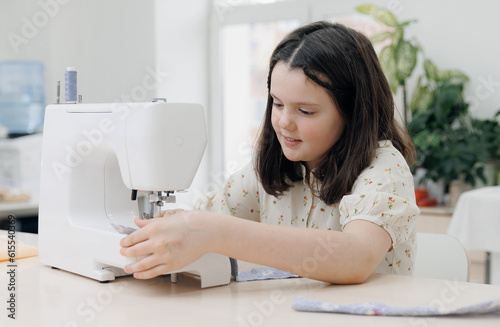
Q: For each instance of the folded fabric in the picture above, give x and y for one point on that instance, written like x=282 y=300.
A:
x=379 y=309
x=22 y=250
x=262 y=274
x=123 y=229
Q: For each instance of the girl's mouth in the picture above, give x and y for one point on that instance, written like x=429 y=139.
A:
x=291 y=141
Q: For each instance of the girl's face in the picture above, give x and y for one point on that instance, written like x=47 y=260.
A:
x=304 y=116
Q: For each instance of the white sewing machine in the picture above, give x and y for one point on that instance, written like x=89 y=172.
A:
x=93 y=158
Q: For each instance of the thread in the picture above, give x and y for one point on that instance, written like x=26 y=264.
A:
x=58 y=94
x=70 y=86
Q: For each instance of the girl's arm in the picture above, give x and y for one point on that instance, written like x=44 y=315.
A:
x=331 y=256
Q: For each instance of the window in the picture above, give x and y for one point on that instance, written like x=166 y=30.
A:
x=246 y=52
x=243 y=35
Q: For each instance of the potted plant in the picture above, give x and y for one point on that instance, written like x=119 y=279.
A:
x=441 y=128
x=451 y=145
x=399 y=58
x=488 y=131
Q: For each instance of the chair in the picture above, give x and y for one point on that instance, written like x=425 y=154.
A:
x=441 y=256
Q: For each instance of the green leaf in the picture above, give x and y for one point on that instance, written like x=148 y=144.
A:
x=431 y=71
x=408 y=22
x=397 y=35
x=422 y=97
x=497 y=114
x=425 y=100
x=417 y=94
x=381 y=37
x=388 y=63
x=406 y=59
x=446 y=75
x=448 y=103
x=382 y=15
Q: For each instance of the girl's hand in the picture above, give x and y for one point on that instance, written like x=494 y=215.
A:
x=168 y=243
x=167 y=212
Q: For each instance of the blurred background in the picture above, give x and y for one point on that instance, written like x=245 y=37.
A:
x=210 y=52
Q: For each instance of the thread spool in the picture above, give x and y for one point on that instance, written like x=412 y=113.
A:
x=70 y=86
x=58 y=92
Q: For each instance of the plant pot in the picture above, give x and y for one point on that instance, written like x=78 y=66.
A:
x=455 y=189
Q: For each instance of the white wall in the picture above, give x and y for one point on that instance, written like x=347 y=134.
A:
x=182 y=53
x=111 y=43
x=462 y=35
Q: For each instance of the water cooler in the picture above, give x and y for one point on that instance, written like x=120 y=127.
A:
x=22 y=96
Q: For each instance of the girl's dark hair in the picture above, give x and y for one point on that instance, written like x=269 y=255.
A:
x=342 y=61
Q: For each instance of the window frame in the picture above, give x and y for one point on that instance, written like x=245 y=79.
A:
x=220 y=17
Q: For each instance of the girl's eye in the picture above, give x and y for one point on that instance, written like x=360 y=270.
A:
x=305 y=112
x=277 y=105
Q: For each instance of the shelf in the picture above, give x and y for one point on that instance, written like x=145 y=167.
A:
x=18 y=209
x=437 y=211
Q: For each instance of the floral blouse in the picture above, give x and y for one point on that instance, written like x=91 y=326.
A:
x=383 y=194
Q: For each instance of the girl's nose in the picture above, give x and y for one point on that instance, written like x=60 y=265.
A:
x=286 y=121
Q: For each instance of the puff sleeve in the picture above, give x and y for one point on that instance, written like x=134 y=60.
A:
x=384 y=194
x=238 y=196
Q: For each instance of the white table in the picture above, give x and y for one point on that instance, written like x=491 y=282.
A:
x=476 y=223
x=50 y=297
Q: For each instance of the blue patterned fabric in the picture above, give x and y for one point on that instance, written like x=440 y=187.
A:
x=379 y=309
x=262 y=274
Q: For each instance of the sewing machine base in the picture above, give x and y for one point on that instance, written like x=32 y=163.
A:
x=104 y=265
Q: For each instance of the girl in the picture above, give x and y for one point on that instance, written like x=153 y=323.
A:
x=331 y=160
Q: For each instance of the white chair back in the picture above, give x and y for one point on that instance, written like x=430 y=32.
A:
x=441 y=256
